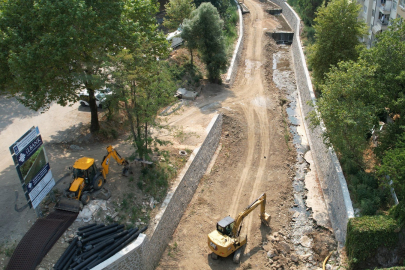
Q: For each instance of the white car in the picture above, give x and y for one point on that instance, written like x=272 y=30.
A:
x=100 y=96
x=175 y=38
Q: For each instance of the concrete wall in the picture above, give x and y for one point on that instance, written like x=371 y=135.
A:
x=146 y=251
x=233 y=67
x=327 y=165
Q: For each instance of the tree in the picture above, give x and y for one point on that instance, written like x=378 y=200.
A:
x=50 y=49
x=307 y=10
x=204 y=31
x=177 y=11
x=141 y=82
x=220 y=5
x=357 y=95
x=337 y=35
x=347 y=109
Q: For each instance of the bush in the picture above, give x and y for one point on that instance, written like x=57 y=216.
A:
x=366 y=192
x=398 y=212
x=366 y=234
x=309 y=33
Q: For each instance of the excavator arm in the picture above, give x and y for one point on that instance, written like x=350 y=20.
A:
x=263 y=216
x=112 y=153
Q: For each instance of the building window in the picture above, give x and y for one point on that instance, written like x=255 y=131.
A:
x=384 y=18
x=365 y=9
x=402 y=3
x=373 y=12
x=394 y=4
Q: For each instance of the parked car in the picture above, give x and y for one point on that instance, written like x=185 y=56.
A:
x=175 y=38
x=100 y=96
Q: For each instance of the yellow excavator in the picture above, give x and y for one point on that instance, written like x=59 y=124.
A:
x=226 y=239
x=88 y=178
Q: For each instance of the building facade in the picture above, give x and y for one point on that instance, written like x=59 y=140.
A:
x=378 y=15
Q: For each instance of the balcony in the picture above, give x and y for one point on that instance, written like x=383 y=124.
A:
x=385 y=7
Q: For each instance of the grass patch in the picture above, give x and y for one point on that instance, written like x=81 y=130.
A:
x=231 y=18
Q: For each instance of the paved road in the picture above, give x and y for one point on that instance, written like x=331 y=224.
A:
x=15 y=120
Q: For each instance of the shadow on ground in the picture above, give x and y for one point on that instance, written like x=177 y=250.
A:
x=10 y=109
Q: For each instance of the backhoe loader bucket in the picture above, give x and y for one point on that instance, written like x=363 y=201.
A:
x=266 y=219
x=70 y=205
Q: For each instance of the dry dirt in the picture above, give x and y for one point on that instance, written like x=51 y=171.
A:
x=255 y=158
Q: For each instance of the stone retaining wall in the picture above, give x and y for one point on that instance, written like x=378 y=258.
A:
x=327 y=165
x=233 y=67
x=146 y=251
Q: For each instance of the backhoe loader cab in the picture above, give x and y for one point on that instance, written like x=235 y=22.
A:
x=86 y=177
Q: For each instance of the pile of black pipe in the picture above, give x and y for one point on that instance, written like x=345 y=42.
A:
x=94 y=244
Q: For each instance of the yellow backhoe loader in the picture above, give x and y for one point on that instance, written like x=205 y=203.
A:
x=88 y=178
x=226 y=239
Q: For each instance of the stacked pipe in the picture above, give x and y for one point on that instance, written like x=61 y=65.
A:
x=94 y=244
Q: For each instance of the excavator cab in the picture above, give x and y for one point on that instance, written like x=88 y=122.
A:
x=225 y=225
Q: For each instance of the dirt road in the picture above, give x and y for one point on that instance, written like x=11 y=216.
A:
x=256 y=156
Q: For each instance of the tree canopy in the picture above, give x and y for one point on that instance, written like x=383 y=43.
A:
x=220 y=5
x=50 y=49
x=307 y=9
x=204 y=32
x=337 y=33
x=357 y=95
x=177 y=11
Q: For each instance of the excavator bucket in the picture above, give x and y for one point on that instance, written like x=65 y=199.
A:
x=266 y=219
x=67 y=204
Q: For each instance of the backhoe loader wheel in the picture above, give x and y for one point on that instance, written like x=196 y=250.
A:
x=98 y=183
x=236 y=256
x=85 y=199
x=214 y=256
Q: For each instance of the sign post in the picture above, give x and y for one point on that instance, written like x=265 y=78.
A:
x=32 y=167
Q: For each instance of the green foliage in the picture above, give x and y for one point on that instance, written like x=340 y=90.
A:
x=307 y=10
x=155 y=181
x=220 y=5
x=390 y=70
x=393 y=166
x=230 y=18
x=366 y=192
x=337 y=33
x=309 y=33
x=177 y=11
x=346 y=109
x=143 y=83
x=398 y=213
x=387 y=139
x=51 y=48
x=357 y=95
x=204 y=32
x=366 y=234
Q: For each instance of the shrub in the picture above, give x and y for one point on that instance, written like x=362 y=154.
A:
x=398 y=212
x=366 y=234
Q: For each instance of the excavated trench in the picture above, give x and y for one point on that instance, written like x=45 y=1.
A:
x=303 y=223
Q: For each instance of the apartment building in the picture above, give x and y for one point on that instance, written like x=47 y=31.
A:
x=378 y=15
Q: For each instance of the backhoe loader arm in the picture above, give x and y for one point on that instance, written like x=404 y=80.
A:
x=111 y=153
x=263 y=216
